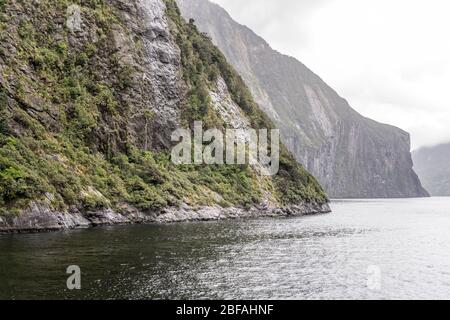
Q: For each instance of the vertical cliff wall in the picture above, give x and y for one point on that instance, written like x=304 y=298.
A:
x=352 y=156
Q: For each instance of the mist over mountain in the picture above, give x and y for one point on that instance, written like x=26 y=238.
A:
x=432 y=164
x=352 y=156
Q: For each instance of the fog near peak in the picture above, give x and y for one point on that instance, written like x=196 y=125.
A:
x=389 y=59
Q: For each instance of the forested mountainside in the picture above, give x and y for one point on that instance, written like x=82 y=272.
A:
x=432 y=164
x=90 y=92
x=351 y=156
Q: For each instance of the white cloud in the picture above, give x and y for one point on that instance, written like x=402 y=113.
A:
x=389 y=59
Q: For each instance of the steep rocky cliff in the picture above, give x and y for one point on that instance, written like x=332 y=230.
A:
x=432 y=164
x=90 y=92
x=352 y=156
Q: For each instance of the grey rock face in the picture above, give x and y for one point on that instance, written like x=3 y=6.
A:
x=158 y=87
x=432 y=164
x=352 y=156
x=40 y=218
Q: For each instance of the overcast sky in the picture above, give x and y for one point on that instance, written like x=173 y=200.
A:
x=389 y=58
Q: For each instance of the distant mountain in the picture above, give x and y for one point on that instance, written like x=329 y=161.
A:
x=352 y=156
x=433 y=167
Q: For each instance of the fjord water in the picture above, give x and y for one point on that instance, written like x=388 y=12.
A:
x=367 y=249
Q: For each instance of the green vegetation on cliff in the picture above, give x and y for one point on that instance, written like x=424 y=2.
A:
x=65 y=109
x=203 y=63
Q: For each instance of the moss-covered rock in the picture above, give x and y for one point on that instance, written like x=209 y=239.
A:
x=86 y=113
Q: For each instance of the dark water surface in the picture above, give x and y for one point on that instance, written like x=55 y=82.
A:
x=376 y=249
